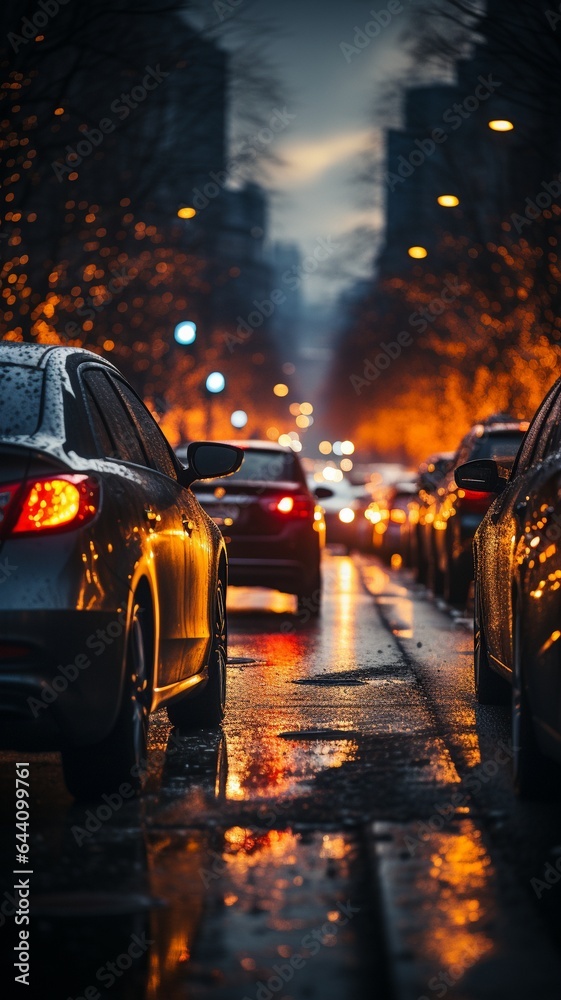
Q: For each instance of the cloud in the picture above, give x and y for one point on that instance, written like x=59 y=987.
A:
x=307 y=160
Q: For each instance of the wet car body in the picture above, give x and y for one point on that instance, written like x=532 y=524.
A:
x=272 y=524
x=109 y=561
x=458 y=513
x=517 y=595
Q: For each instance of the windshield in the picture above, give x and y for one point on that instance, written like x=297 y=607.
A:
x=269 y=466
x=20 y=400
x=502 y=448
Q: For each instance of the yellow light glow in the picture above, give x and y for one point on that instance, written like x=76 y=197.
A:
x=294 y=409
x=306 y=409
x=346 y=515
x=280 y=389
x=187 y=212
x=302 y=421
x=417 y=252
x=346 y=465
x=398 y=516
x=347 y=447
x=273 y=433
x=285 y=505
x=285 y=440
x=325 y=447
x=448 y=200
x=396 y=561
x=501 y=125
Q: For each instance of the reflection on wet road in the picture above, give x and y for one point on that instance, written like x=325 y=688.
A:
x=355 y=812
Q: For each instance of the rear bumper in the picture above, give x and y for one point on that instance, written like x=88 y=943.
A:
x=67 y=687
x=287 y=575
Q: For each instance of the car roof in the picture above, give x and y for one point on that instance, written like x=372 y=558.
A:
x=38 y=355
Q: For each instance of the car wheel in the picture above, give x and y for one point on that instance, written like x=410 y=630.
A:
x=309 y=600
x=535 y=775
x=121 y=757
x=206 y=709
x=490 y=688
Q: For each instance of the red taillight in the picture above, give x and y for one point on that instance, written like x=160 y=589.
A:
x=48 y=504
x=477 y=495
x=295 y=505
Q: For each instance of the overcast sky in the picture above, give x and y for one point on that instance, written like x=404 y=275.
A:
x=332 y=96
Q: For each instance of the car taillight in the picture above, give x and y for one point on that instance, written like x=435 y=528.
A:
x=296 y=505
x=48 y=504
x=475 y=495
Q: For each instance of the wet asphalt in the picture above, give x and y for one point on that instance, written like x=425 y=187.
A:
x=352 y=833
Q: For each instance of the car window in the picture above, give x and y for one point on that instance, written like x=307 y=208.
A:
x=501 y=446
x=21 y=391
x=533 y=445
x=126 y=444
x=269 y=466
x=154 y=442
x=550 y=439
x=100 y=429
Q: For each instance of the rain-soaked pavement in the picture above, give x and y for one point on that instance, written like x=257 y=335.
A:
x=352 y=834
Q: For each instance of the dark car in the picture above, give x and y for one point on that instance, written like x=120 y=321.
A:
x=112 y=601
x=430 y=476
x=517 y=594
x=273 y=528
x=458 y=513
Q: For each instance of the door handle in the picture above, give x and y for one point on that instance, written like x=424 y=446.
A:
x=188 y=525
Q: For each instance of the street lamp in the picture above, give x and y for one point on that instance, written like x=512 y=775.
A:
x=185 y=332
x=238 y=419
x=501 y=125
x=448 y=200
x=215 y=383
x=417 y=252
x=186 y=212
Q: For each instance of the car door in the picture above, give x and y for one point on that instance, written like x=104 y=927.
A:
x=502 y=534
x=152 y=497
x=191 y=535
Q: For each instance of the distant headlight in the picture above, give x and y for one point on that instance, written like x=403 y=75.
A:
x=346 y=515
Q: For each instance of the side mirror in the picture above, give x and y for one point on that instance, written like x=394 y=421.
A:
x=323 y=493
x=210 y=460
x=481 y=476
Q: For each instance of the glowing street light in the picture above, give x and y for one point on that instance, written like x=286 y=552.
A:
x=215 y=382
x=501 y=125
x=417 y=252
x=185 y=332
x=238 y=419
x=186 y=212
x=280 y=389
x=347 y=447
x=448 y=200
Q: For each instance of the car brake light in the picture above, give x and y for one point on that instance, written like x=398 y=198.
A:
x=298 y=505
x=475 y=495
x=49 y=504
x=285 y=505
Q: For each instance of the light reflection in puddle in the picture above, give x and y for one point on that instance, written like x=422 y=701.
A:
x=270 y=771
x=457 y=899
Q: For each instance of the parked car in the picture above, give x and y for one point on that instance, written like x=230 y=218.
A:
x=458 y=513
x=396 y=540
x=113 y=602
x=429 y=478
x=517 y=587
x=273 y=527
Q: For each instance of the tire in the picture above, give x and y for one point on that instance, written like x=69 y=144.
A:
x=206 y=709
x=309 y=600
x=535 y=775
x=490 y=687
x=121 y=757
